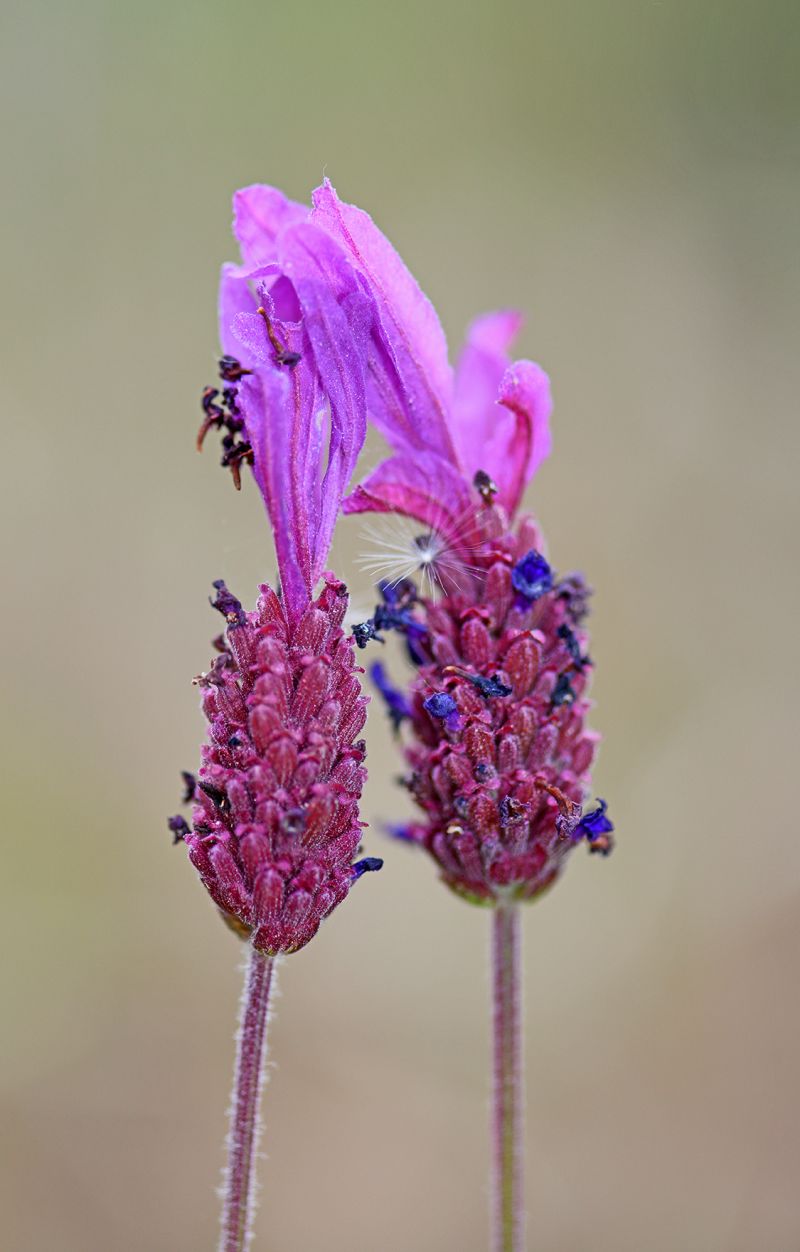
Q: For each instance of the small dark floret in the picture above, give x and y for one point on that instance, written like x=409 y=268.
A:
x=443 y=706
x=511 y=810
x=397 y=704
x=400 y=831
x=179 y=827
x=440 y=705
x=189 y=786
x=576 y=592
x=531 y=577
x=596 y=828
x=368 y=865
x=394 y=614
x=563 y=692
x=216 y=795
x=227 y=604
x=572 y=644
x=489 y=687
x=595 y=822
x=364 y=631
x=294 y=821
x=399 y=594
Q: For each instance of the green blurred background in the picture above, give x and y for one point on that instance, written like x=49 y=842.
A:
x=628 y=174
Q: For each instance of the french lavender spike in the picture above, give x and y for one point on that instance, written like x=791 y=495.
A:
x=275 y=831
x=499 y=753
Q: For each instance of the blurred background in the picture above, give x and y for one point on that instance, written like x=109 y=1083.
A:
x=627 y=173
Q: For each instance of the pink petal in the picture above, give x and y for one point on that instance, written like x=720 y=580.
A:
x=269 y=404
x=336 y=317
x=420 y=485
x=411 y=383
x=306 y=422
x=516 y=454
x=483 y=361
x=501 y=411
x=234 y=297
x=260 y=213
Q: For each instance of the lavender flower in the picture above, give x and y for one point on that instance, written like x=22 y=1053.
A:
x=501 y=756
x=276 y=823
x=275 y=804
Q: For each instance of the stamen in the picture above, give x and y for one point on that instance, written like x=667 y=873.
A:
x=222 y=412
x=234 y=456
x=485 y=487
x=569 y=813
x=230 y=371
x=488 y=687
x=282 y=354
x=214 y=415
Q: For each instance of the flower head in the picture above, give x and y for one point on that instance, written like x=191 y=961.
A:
x=275 y=810
x=499 y=760
x=275 y=804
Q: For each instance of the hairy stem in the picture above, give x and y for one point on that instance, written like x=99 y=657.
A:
x=245 y=1126
x=508 y=1095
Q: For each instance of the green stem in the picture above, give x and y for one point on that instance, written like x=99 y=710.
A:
x=245 y=1127
x=508 y=1214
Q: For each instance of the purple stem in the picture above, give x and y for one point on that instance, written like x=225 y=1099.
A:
x=239 y=1190
x=508 y=1093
